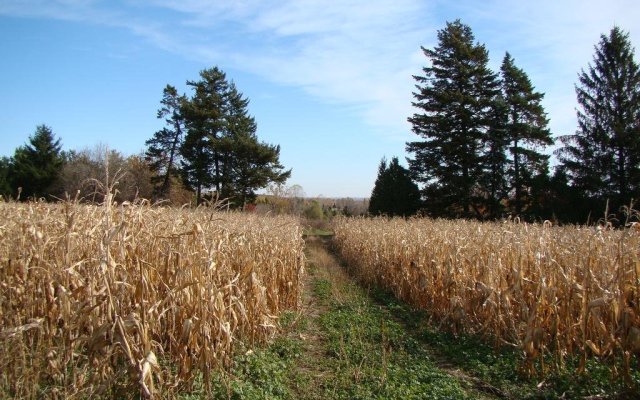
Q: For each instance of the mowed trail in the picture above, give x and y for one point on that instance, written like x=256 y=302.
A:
x=355 y=346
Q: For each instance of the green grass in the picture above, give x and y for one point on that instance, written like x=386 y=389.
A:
x=374 y=359
x=312 y=231
x=363 y=354
x=263 y=374
x=322 y=290
x=368 y=355
x=268 y=372
x=501 y=367
x=375 y=347
x=361 y=343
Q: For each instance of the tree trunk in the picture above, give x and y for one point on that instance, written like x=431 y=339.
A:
x=516 y=176
x=467 y=189
x=166 y=184
x=622 y=183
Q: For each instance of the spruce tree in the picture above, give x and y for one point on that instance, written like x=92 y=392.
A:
x=602 y=158
x=394 y=193
x=494 y=181
x=379 y=200
x=526 y=130
x=163 y=148
x=36 y=165
x=239 y=129
x=455 y=101
x=196 y=163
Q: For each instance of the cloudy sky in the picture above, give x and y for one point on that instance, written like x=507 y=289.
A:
x=330 y=81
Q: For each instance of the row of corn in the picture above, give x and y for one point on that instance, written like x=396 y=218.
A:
x=134 y=300
x=552 y=292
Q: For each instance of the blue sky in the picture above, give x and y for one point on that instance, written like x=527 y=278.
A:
x=329 y=81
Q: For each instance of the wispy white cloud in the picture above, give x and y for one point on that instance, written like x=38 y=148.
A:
x=356 y=53
x=360 y=53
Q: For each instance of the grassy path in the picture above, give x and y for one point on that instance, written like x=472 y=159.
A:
x=355 y=347
x=353 y=343
x=343 y=345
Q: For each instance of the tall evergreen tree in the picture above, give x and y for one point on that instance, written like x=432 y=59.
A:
x=247 y=163
x=221 y=150
x=255 y=165
x=379 y=200
x=239 y=128
x=6 y=164
x=394 y=193
x=526 y=130
x=196 y=164
x=455 y=98
x=205 y=121
x=602 y=158
x=163 y=148
x=37 y=164
x=494 y=182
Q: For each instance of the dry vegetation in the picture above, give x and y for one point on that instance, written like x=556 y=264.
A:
x=556 y=293
x=119 y=301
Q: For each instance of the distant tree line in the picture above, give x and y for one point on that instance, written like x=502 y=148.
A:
x=483 y=136
x=281 y=199
x=41 y=170
x=208 y=147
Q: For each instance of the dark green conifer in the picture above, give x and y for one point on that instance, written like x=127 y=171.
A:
x=494 y=183
x=455 y=101
x=526 y=131
x=394 y=193
x=36 y=165
x=248 y=164
x=221 y=150
x=205 y=121
x=163 y=149
x=602 y=158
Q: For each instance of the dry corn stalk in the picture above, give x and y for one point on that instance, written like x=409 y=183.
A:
x=136 y=299
x=543 y=289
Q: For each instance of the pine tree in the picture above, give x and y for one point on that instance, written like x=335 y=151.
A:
x=240 y=129
x=526 y=130
x=247 y=163
x=394 y=193
x=204 y=116
x=196 y=163
x=163 y=148
x=255 y=166
x=602 y=158
x=221 y=150
x=455 y=98
x=36 y=165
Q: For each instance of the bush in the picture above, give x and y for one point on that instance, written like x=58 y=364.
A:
x=314 y=210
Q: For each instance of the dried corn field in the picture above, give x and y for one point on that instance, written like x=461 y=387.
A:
x=554 y=293
x=122 y=301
